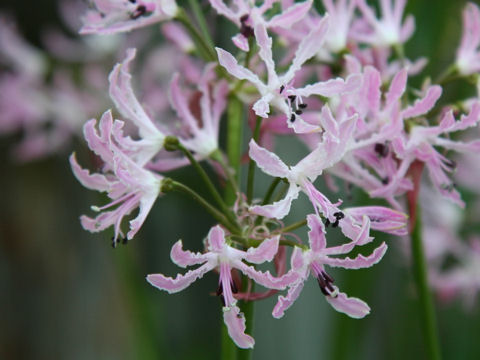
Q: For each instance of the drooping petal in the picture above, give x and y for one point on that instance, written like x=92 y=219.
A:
x=181 y=281
x=235 y=322
x=284 y=302
x=316 y=235
x=90 y=181
x=353 y=307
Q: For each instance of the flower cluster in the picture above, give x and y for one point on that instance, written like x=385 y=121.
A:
x=338 y=81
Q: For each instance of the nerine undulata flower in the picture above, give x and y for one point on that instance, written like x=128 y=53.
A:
x=201 y=131
x=468 y=53
x=387 y=30
x=128 y=184
x=113 y=16
x=224 y=257
x=278 y=90
x=246 y=15
x=313 y=261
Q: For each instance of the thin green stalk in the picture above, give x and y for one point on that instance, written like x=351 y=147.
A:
x=271 y=190
x=198 y=12
x=234 y=145
x=207 y=182
x=427 y=310
x=170 y=185
x=251 y=164
x=293 y=226
x=205 y=50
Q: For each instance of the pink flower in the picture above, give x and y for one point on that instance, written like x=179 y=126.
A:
x=468 y=54
x=224 y=257
x=246 y=16
x=385 y=31
x=278 y=90
x=113 y=16
x=316 y=257
x=129 y=185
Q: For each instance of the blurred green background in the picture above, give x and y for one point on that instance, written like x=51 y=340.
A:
x=66 y=294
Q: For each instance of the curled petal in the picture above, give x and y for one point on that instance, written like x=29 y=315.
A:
x=279 y=209
x=90 y=181
x=360 y=261
x=235 y=322
x=181 y=281
x=184 y=258
x=284 y=302
x=264 y=252
x=353 y=307
x=424 y=105
x=269 y=162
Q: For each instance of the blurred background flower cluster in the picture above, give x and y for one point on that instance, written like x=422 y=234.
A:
x=66 y=294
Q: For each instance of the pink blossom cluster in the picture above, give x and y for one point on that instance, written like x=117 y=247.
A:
x=338 y=81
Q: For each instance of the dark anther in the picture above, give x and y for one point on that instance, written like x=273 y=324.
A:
x=222 y=299
x=339 y=215
x=133 y=1
x=302 y=106
x=327 y=222
x=451 y=164
x=141 y=10
x=292 y=97
x=385 y=180
x=381 y=149
x=335 y=224
x=245 y=29
x=114 y=242
x=282 y=88
x=325 y=282
x=292 y=118
x=299 y=112
x=124 y=241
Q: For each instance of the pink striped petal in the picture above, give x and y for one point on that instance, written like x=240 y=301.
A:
x=360 y=261
x=316 y=235
x=269 y=162
x=216 y=239
x=291 y=15
x=279 y=209
x=184 y=258
x=231 y=65
x=424 y=105
x=181 y=281
x=235 y=322
x=284 y=302
x=353 y=307
x=264 y=252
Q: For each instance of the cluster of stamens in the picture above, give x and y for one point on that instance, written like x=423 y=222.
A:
x=325 y=282
x=338 y=216
x=296 y=107
x=116 y=241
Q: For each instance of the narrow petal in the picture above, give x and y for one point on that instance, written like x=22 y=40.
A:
x=284 y=302
x=231 y=65
x=279 y=209
x=181 y=281
x=291 y=15
x=263 y=278
x=90 y=181
x=316 y=235
x=332 y=87
x=269 y=162
x=184 y=258
x=353 y=307
x=235 y=322
x=216 y=239
x=264 y=252
x=264 y=42
x=360 y=261
x=424 y=105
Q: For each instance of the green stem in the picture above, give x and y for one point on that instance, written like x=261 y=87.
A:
x=293 y=226
x=448 y=75
x=251 y=164
x=207 y=182
x=204 y=49
x=270 y=190
x=234 y=146
x=426 y=303
x=198 y=12
x=174 y=185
